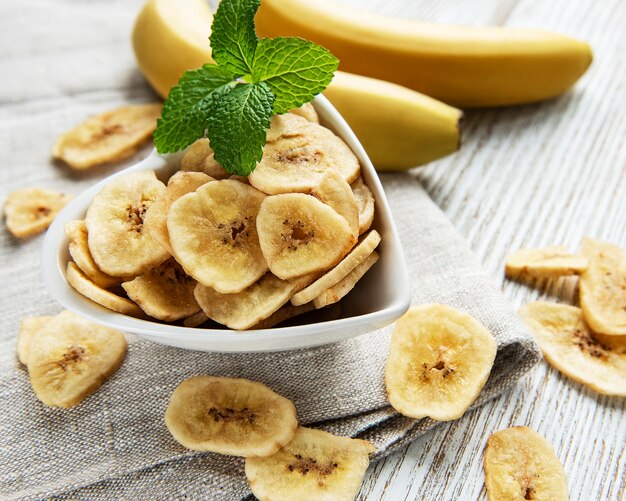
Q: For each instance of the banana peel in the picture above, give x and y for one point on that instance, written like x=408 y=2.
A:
x=462 y=66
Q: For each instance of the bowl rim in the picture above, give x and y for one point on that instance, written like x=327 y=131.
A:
x=226 y=340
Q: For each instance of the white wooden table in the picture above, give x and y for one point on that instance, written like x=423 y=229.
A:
x=526 y=176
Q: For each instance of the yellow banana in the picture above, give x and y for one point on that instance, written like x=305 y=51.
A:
x=467 y=67
x=398 y=127
x=170 y=37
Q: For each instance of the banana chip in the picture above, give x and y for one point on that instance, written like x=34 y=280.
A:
x=365 y=204
x=155 y=220
x=108 y=137
x=299 y=235
x=247 y=308
x=115 y=233
x=297 y=163
x=544 y=262
x=338 y=291
x=568 y=344
x=164 y=292
x=307 y=111
x=196 y=319
x=439 y=360
x=199 y=157
x=356 y=256
x=603 y=287
x=89 y=289
x=334 y=190
x=285 y=126
x=314 y=465
x=71 y=357
x=283 y=314
x=328 y=314
x=28 y=328
x=616 y=343
x=230 y=416
x=30 y=211
x=520 y=464
x=79 y=250
x=213 y=234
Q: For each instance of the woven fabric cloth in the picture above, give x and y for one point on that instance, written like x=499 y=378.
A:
x=114 y=445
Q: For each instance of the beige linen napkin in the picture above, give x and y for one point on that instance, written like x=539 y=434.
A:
x=115 y=443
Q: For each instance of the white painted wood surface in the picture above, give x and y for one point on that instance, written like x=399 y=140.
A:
x=528 y=176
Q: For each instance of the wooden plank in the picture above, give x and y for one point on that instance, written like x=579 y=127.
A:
x=532 y=175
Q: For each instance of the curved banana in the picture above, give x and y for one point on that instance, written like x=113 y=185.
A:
x=170 y=37
x=398 y=127
x=467 y=67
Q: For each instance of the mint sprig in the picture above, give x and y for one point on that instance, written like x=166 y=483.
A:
x=295 y=69
x=233 y=37
x=237 y=125
x=232 y=101
x=188 y=107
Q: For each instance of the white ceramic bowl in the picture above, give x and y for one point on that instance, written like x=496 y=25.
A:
x=378 y=299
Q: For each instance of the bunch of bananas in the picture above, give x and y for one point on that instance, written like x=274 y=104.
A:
x=392 y=62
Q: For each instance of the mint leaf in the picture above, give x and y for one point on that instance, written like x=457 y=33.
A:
x=237 y=124
x=187 y=107
x=279 y=74
x=233 y=38
x=295 y=69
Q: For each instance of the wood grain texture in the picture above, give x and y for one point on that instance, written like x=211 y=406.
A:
x=529 y=176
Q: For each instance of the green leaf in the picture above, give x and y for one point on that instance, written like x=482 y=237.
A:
x=237 y=124
x=233 y=38
x=187 y=107
x=295 y=69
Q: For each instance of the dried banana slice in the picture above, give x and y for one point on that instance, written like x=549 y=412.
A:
x=439 y=360
x=299 y=235
x=544 y=262
x=306 y=111
x=241 y=179
x=79 y=250
x=345 y=285
x=365 y=204
x=521 y=464
x=285 y=126
x=108 y=137
x=230 y=416
x=568 y=344
x=164 y=292
x=335 y=191
x=89 y=289
x=71 y=358
x=283 y=314
x=297 y=163
x=115 y=233
x=616 y=343
x=314 y=465
x=155 y=220
x=603 y=287
x=213 y=234
x=28 y=328
x=31 y=210
x=247 y=308
x=199 y=157
x=356 y=256
x=196 y=319
x=315 y=316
